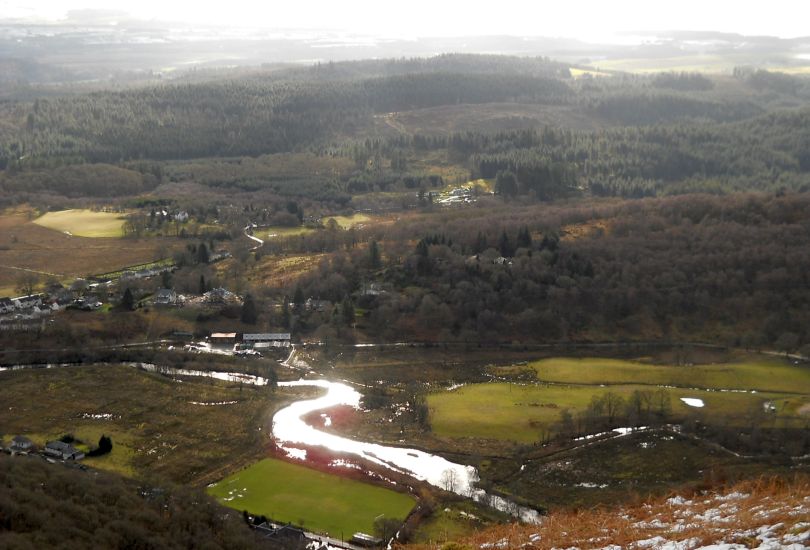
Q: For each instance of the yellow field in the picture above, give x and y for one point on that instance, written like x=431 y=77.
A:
x=84 y=223
x=347 y=222
x=578 y=73
x=276 y=232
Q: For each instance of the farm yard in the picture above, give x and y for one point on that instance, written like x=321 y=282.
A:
x=318 y=501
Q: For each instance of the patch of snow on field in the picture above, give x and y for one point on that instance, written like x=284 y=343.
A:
x=212 y=404
x=100 y=416
x=292 y=452
x=693 y=402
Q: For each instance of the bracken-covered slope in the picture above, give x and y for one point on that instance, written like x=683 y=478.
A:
x=764 y=514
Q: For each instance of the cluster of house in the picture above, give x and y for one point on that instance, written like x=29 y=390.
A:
x=293 y=538
x=145 y=273
x=255 y=341
x=215 y=296
x=54 y=449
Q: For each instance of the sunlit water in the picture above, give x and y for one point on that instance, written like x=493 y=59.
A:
x=290 y=429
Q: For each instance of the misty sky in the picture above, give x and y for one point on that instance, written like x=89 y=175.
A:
x=590 y=20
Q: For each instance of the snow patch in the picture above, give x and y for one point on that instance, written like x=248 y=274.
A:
x=693 y=402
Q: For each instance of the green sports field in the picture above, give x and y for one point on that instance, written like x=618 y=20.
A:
x=315 y=500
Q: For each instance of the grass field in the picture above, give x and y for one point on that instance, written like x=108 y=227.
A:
x=155 y=423
x=763 y=375
x=315 y=500
x=518 y=412
x=84 y=223
x=281 y=232
x=347 y=222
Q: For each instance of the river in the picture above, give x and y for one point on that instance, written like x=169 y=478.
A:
x=289 y=430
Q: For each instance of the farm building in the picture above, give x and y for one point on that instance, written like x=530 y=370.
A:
x=223 y=338
x=267 y=340
x=25 y=302
x=21 y=444
x=62 y=450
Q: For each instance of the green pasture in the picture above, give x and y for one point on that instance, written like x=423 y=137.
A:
x=276 y=232
x=514 y=412
x=84 y=223
x=347 y=222
x=761 y=375
x=315 y=500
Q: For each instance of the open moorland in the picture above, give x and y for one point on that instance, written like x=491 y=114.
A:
x=321 y=502
x=183 y=430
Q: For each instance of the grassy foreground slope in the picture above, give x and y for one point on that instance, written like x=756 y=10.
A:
x=770 y=513
x=315 y=500
x=181 y=431
x=55 y=506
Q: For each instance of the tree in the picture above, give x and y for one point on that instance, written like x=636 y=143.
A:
x=104 y=446
x=449 y=479
x=202 y=254
x=373 y=255
x=249 y=314
x=128 y=300
x=298 y=299
x=506 y=184
x=27 y=282
x=347 y=311
x=285 y=313
x=505 y=246
x=203 y=288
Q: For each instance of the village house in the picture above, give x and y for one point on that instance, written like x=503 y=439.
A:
x=317 y=305
x=21 y=445
x=62 y=451
x=25 y=302
x=165 y=297
x=6 y=306
x=221 y=296
x=267 y=340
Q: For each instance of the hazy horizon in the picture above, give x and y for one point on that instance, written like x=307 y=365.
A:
x=627 y=21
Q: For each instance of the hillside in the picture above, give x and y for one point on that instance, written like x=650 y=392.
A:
x=59 y=506
x=767 y=513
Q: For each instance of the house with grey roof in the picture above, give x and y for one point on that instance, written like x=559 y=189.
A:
x=267 y=340
x=62 y=451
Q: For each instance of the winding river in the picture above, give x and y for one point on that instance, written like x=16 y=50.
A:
x=289 y=430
